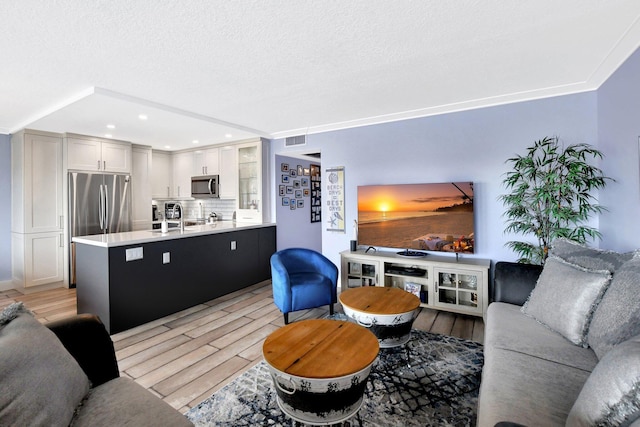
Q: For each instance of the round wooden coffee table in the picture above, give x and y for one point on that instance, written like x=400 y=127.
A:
x=320 y=368
x=389 y=312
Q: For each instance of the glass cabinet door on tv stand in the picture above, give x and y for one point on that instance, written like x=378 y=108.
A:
x=360 y=272
x=458 y=288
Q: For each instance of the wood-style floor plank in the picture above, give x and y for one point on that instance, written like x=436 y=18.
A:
x=462 y=327
x=185 y=357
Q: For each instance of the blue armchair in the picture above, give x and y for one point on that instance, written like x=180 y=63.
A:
x=302 y=279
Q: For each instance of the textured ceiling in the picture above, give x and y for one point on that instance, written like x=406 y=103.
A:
x=201 y=69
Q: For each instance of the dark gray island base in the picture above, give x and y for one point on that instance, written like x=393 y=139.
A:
x=126 y=294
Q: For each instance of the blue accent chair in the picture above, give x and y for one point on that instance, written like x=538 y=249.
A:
x=302 y=279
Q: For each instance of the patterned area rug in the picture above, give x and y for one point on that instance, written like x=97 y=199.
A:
x=439 y=388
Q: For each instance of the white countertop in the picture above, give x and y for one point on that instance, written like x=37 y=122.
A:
x=150 y=236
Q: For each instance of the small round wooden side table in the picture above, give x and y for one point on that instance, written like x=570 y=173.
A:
x=389 y=312
x=320 y=368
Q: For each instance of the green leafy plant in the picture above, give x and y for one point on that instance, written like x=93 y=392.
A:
x=551 y=196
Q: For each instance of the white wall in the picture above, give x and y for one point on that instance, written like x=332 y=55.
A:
x=464 y=146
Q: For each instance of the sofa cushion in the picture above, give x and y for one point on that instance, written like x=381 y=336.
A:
x=611 y=395
x=527 y=390
x=42 y=384
x=617 y=317
x=508 y=329
x=586 y=257
x=566 y=297
x=121 y=402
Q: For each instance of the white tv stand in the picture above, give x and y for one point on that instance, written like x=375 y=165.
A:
x=442 y=282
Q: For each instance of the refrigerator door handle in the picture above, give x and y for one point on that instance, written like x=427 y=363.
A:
x=106 y=208
x=101 y=209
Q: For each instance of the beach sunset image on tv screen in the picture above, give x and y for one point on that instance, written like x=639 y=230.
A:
x=432 y=217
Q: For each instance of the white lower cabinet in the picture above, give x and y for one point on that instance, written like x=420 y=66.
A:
x=37 y=258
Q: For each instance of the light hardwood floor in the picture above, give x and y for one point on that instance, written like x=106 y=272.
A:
x=187 y=356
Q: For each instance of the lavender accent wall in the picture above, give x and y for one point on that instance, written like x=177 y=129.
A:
x=619 y=140
x=5 y=212
x=297 y=229
x=465 y=146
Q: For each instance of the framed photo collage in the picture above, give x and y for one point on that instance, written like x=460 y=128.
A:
x=300 y=187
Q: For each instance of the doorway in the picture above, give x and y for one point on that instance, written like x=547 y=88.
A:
x=298 y=201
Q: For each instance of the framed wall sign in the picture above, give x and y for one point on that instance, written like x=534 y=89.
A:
x=334 y=196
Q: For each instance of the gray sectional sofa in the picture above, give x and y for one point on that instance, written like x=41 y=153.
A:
x=562 y=342
x=67 y=374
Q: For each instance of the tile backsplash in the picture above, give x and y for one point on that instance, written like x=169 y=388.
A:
x=222 y=207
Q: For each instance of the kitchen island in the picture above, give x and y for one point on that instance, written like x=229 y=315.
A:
x=132 y=278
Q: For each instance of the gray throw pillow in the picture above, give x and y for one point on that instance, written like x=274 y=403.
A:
x=584 y=256
x=617 y=317
x=611 y=395
x=565 y=298
x=41 y=383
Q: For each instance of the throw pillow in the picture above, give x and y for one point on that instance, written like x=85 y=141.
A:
x=617 y=317
x=584 y=256
x=565 y=298
x=611 y=395
x=41 y=383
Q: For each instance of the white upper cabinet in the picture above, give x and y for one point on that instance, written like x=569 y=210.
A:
x=116 y=157
x=242 y=167
x=182 y=172
x=228 y=172
x=84 y=154
x=206 y=162
x=162 y=173
x=141 y=188
x=253 y=182
x=97 y=155
x=36 y=190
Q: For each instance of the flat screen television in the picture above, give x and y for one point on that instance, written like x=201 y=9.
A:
x=430 y=217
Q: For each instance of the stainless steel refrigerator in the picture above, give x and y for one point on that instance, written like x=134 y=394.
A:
x=98 y=204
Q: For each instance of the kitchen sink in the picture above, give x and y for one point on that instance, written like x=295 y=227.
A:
x=190 y=222
x=171 y=230
x=174 y=229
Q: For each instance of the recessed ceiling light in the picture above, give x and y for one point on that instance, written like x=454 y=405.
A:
x=108 y=135
x=167 y=146
x=228 y=135
x=195 y=141
x=111 y=126
x=142 y=117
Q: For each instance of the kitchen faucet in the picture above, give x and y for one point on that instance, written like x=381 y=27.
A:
x=173 y=211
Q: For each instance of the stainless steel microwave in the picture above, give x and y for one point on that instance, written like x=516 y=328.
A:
x=205 y=186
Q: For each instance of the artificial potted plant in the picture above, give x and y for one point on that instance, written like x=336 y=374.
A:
x=551 y=196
